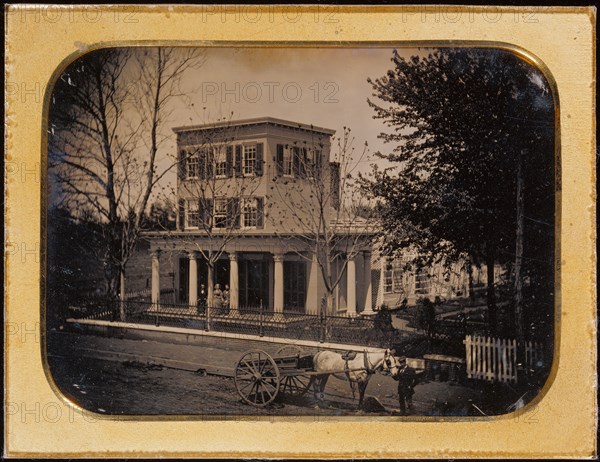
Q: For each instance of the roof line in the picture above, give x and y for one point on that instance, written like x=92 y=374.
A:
x=256 y=121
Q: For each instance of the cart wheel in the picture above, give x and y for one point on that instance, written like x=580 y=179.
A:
x=289 y=350
x=257 y=378
x=295 y=385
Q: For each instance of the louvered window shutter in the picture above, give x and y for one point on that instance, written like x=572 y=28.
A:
x=181 y=164
x=238 y=160
x=209 y=155
x=229 y=161
x=258 y=166
x=279 y=160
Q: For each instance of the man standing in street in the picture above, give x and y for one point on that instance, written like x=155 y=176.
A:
x=407 y=379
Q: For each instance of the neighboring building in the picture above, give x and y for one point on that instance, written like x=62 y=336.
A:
x=226 y=204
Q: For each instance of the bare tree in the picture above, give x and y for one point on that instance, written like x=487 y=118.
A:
x=107 y=127
x=316 y=205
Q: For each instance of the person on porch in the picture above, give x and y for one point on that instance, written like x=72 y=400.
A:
x=217 y=301
x=226 y=307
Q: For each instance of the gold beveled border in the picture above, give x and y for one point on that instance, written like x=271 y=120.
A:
x=522 y=53
x=553 y=441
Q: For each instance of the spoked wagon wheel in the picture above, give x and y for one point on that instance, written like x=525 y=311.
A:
x=295 y=385
x=289 y=350
x=257 y=378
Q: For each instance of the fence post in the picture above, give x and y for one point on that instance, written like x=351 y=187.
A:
x=207 y=314
x=260 y=320
x=468 y=354
x=156 y=322
x=322 y=326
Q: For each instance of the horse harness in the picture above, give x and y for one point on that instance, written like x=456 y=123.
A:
x=349 y=356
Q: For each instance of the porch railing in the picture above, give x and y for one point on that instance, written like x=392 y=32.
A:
x=253 y=320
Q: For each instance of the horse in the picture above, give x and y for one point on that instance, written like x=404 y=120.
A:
x=357 y=369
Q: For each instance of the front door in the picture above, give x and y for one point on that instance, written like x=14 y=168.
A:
x=294 y=287
x=254 y=284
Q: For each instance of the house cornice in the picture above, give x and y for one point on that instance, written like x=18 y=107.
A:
x=254 y=122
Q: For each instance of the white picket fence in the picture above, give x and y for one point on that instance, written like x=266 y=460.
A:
x=495 y=359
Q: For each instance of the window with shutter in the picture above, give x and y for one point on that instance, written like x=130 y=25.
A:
x=316 y=163
x=258 y=166
x=206 y=162
x=229 y=161
x=221 y=167
x=249 y=160
x=249 y=212
x=205 y=212
x=279 y=160
x=181 y=164
x=192 y=163
x=221 y=213
x=233 y=214
x=238 y=160
x=295 y=155
x=287 y=161
x=192 y=219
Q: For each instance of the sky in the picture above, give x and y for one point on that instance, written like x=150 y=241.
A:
x=326 y=87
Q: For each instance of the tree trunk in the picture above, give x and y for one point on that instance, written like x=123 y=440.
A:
x=518 y=283
x=122 y=296
x=470 y=276
x=111 y=280
x=210 y=289
x=330 y=305
x=491 y=289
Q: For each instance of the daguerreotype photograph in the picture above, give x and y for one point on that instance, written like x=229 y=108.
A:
x=301 y=231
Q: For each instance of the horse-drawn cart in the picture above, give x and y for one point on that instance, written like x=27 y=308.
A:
x=261 y=377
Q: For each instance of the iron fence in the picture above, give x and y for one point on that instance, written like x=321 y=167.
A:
x=247 y=320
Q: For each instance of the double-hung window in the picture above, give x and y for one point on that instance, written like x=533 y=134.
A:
x=249 y=212
x=193 y=165
x=192 y=219
x=221 y=213
x=388 y=279
x=220 y=161
x=287 y=161
x=397 y=280
x=393 y=277
x=249 y=161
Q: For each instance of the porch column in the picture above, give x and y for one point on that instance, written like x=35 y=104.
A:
x=234 y=289
x=193 y=280
x=351 y=286
x=380 y=291
x=278 y=276
x=367 y=283
x=155 y=288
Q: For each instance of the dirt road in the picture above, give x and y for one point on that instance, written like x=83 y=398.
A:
x=118 y=376
x=133 y=388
